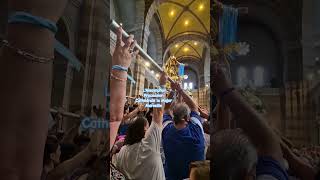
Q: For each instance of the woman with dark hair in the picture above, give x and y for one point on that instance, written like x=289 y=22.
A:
x=128 y=117
x=141 y=148
x=136 y=131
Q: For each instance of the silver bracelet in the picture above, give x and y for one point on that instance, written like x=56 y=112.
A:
x=28 y=56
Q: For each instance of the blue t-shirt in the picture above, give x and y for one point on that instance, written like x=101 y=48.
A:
x=268 y=167
x=181 y=147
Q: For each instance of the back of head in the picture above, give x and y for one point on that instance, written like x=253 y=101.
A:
x=181 y=113
x=232 y=154
x=200 y=170
x=136 y=131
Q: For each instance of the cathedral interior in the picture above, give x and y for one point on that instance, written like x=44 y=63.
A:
x=282 y=67
x=280 y=71
x=167 y=29
x=277 y=71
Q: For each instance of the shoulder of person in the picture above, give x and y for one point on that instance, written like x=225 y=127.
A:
x=267 y=177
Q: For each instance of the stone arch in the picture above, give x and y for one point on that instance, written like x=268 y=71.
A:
x=193 y=77
x=131 y=14
x=146 y=84
x=149 y=16
x=195 y=66
x=283 y=25
x=60 y=66
x=191 y=37
x=265 y=54
x=153 y=40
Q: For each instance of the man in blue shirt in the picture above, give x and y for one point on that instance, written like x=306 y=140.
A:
x=182 y=137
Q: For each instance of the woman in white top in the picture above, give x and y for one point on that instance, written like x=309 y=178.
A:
x=140 y=158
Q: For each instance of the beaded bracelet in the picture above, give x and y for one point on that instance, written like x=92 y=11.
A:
x=120 y=68
x=27 y=55
x=117 y=78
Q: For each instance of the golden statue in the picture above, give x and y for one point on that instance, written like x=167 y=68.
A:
x=171 y=68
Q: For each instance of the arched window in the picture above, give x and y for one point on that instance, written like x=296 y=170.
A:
x=146 y=84
x=190 y=85
x=242 y=77
x=185 y=85
x=258 y=76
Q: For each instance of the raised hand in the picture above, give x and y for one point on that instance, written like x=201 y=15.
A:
x=141 y=107
x=221 y=81
x=123 y=55
x=163 y=78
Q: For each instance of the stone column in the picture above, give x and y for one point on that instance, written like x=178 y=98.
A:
x=96 y=55
x=102 y=64
x=294 y=61
x=140 y=76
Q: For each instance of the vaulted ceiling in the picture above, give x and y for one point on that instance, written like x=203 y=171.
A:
x=189 y=48
x=184 y=18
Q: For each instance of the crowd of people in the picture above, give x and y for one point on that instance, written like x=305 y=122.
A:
x=169 y=143
x=157 y=143
x=75 y=154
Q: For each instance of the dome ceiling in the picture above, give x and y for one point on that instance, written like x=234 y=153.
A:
x=182 y=18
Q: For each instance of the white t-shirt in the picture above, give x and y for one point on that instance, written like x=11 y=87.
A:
x=142 y=161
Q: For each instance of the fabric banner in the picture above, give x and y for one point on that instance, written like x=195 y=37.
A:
x=66 y=53
x=131 y=79
x=181 y=69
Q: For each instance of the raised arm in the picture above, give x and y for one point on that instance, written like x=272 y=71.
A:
x=168 y=106
x=132 y=114
x=301 y=169
x=257 y=129
x=186 y=98
x=158 y=112
x=71 y=133
x=78 y=160
x=203 y=112
x=25 y=90
x=122 y=56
